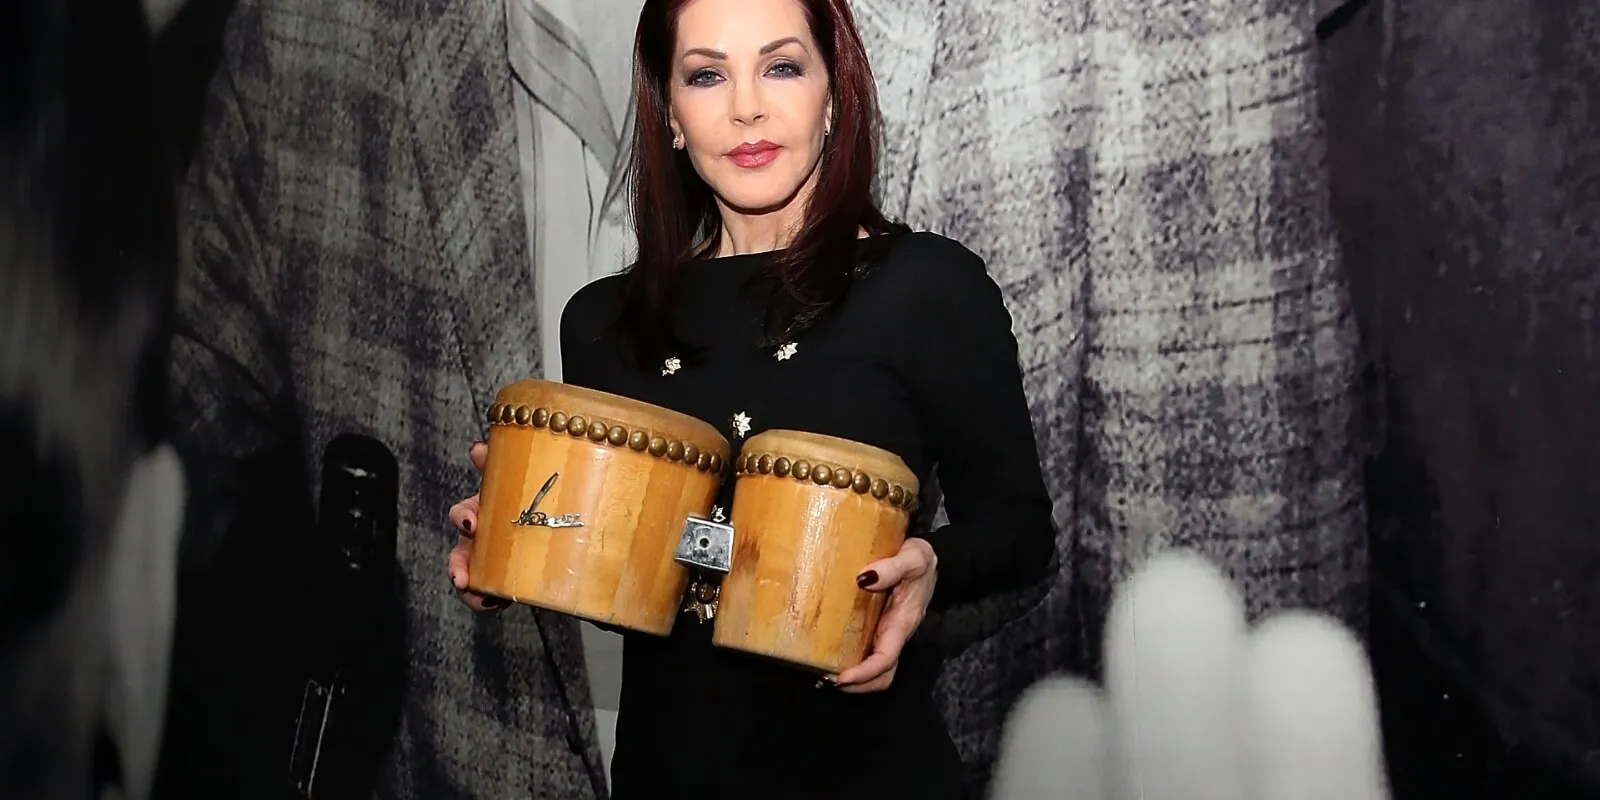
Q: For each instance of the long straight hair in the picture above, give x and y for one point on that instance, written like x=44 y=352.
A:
x=675 y=214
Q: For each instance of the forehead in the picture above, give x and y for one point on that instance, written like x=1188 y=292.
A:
x=732 y=26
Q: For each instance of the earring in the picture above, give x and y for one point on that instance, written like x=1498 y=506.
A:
x=677 y=142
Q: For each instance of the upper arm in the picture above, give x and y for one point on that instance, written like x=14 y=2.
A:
x=969 y=390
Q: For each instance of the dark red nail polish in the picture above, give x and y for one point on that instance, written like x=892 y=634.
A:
x=466 y=525
x=867 y=578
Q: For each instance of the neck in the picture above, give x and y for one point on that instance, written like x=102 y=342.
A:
x=745 y=232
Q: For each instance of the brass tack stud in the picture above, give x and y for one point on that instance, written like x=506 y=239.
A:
x=802 y=470
x=617 y=436
x=821 y=474
x=897 y=494
x=861 y=482
x=541 y=417
x=691 y=455
x=716 y=463
x=638 y=440
x=598 y=431
x=842 y=478
x=880 y=488
x=658 y=446
x=764 y=465
x=522 y=415
x=702 y=462
x=781 y=466
x=494 y=413
x=558 y=422
x=675 y=451
x=577 y=425
x=505 y=414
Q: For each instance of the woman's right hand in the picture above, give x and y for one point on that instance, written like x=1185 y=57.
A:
x=464 y=515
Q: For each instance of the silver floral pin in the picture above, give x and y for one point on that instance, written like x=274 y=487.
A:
x=787 y=351
x=671 y=366
x=741 y=424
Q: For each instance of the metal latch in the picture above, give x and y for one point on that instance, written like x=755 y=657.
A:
x=705 y=545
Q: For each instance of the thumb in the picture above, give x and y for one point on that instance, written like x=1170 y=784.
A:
x=480 y=454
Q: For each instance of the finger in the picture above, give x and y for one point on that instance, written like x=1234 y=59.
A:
x=479 y=454
x=877 y=684
x=460 y=563
x=1175 y=654
x=483 y=602
x=464 y=516
x=887 y=573
x=1054 y=744
x=1314 y=723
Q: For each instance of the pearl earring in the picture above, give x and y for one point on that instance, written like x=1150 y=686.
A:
x=677 y=142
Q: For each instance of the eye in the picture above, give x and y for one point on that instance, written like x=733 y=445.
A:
x=703 y=77
x=785 y=69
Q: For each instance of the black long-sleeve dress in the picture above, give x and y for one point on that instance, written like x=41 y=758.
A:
x=919 y=359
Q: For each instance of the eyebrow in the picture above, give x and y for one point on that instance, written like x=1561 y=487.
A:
x=767 y=48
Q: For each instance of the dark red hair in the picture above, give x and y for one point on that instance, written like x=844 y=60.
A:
x=675 y=215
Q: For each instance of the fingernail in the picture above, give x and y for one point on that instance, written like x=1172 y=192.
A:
x=867 y=578
x=827 y=683
x=475 y=446
x=495 y=603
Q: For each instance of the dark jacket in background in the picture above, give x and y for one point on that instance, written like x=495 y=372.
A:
x=357 y=262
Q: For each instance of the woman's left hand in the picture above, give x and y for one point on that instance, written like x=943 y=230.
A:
x=911 y=575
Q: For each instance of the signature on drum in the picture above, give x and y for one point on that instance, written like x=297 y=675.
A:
x=532 y=517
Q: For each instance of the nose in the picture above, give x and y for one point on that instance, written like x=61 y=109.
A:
x=749 y=104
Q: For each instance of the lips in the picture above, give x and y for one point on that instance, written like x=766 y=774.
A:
x=751 y=155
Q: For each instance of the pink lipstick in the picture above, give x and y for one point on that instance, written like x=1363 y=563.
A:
x=752 y=155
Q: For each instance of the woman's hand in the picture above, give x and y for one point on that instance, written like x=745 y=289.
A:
x=464 y=515
x=909 y=577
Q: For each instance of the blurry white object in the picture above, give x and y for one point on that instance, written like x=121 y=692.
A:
x=1198 y=706
x=160 y=12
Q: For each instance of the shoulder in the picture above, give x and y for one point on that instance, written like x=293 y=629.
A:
x=929 y=267
x=592 y=308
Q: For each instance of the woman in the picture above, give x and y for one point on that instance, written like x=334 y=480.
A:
x=770 y=292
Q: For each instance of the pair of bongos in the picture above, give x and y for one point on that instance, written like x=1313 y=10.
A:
x=600 y=507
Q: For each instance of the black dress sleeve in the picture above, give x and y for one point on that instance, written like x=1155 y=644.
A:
x=967 y=386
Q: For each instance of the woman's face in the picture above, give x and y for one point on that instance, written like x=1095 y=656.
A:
x=749 y=100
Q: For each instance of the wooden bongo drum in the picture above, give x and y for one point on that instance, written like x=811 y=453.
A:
x=585 y=496
x=809 y=513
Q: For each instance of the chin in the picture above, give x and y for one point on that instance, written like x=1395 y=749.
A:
x=751 y=194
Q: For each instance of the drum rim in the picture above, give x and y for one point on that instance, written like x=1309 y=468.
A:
x=692 y=429
x=769 y=443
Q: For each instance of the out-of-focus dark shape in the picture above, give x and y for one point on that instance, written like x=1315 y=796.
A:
x=187 y=51
x=1464 y=150
x=90 y=500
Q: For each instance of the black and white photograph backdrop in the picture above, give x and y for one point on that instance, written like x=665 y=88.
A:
x=1304 y=287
